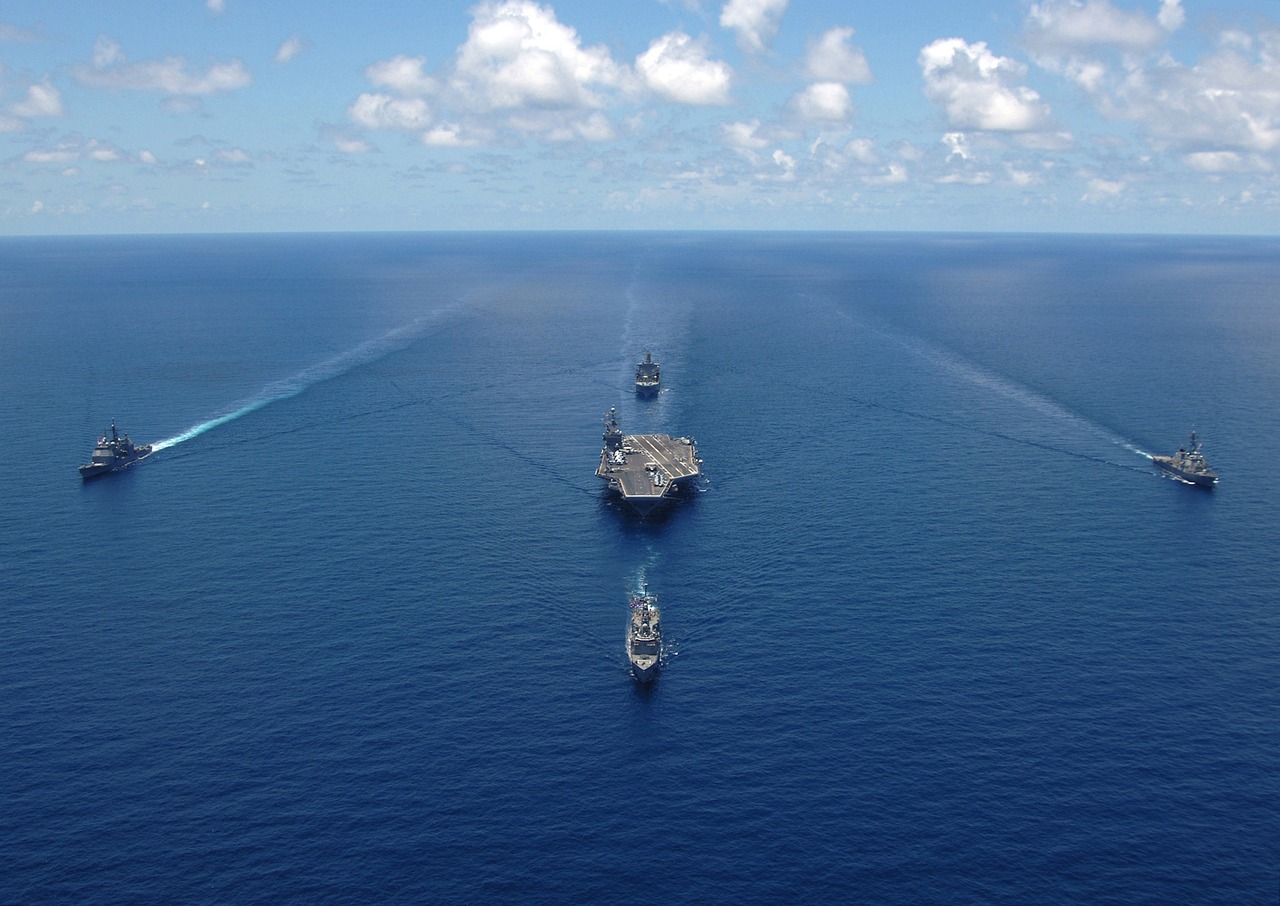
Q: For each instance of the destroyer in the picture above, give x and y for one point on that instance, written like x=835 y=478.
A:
x=646 y=470
x=1189 y=464
x=644 y=636
x=113 y=454
x=648 y=377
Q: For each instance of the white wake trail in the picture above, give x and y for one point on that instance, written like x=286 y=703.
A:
x=366 y=352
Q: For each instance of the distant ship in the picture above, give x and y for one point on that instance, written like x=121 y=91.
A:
x=646 y=470
x=644 y=636
x=648 y=377
x=113 y=454
x=1189 y=464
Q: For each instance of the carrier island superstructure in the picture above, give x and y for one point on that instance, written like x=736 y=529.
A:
x=646 y=470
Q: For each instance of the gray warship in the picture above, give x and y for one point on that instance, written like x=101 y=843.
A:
x=646 y=470
x=644 y=636
x=113 y=454
x=648 y=377
x=1189 y=464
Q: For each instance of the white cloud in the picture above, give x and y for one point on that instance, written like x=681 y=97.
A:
x=291 y=48
x=891 y=175
x=957 y=145
x=831 y=58
x=517 y=55
x=1100 y=190
x=755 y=22
x=1064 y=24
x=1229 y=101
x=448 y=135
x=676 y=67
x=58 y=156
x=146 y=157
x=382 y=111
x=217 y=7
x=822 y=101
x=169 y=75
x=352 y=145
x=744 y=136
x=402 y=74
x=106 y=52
x=975 y=88
x=41 y=100
x=234 y=156
x=863 y=150
x=1171 y=15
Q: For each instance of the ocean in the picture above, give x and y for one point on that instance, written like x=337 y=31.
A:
x=936 y=629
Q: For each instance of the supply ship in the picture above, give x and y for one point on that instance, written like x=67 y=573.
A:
x=644 y=636
x=1189 y=464
x=113 y=454
x=648 y=377
x=646 y=470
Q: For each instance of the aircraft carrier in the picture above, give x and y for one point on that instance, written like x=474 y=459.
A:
x=646 y=470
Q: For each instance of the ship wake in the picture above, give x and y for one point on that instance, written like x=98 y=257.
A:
x=286 y=388
x=969 y=372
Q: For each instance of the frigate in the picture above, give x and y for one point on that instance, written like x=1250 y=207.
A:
x=644 y=636
x=113 y=454
x=648 y=377
x=1189 y=464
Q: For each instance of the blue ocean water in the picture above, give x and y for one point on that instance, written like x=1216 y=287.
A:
x=937 y=631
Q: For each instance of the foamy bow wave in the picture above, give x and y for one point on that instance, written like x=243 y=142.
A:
x=367 y=352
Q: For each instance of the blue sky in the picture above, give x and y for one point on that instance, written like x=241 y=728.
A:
x=1007 y=115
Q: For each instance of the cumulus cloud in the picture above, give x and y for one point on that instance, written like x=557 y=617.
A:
x=976 y=89
x=41 y=100
x=1056 y=25
x=517 y=55
x=106 y=52
x=1230 y=100
x=822 y=102
x=676 y=67
x=170 y=75
x=382 y=111
x=217 y=7
x=754 y=22
x=404 y=75
x=291 y=48
x=890 y=175
x=831 y=58
x=236 y=157
x=1100 y=190
x=744 y=136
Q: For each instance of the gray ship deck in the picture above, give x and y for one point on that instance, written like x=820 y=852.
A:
x=653 y=466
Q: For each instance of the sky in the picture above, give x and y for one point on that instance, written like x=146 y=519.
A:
x=1101 y=116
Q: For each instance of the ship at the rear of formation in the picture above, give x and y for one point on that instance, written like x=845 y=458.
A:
x=1189 y=464
x=646 y=470
x=113 y=454
x=644 y=636
x=648 y=377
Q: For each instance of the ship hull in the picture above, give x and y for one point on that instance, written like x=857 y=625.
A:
x=91 y=470
x=644 y=673
x=1166 y=465
x=645 y=390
